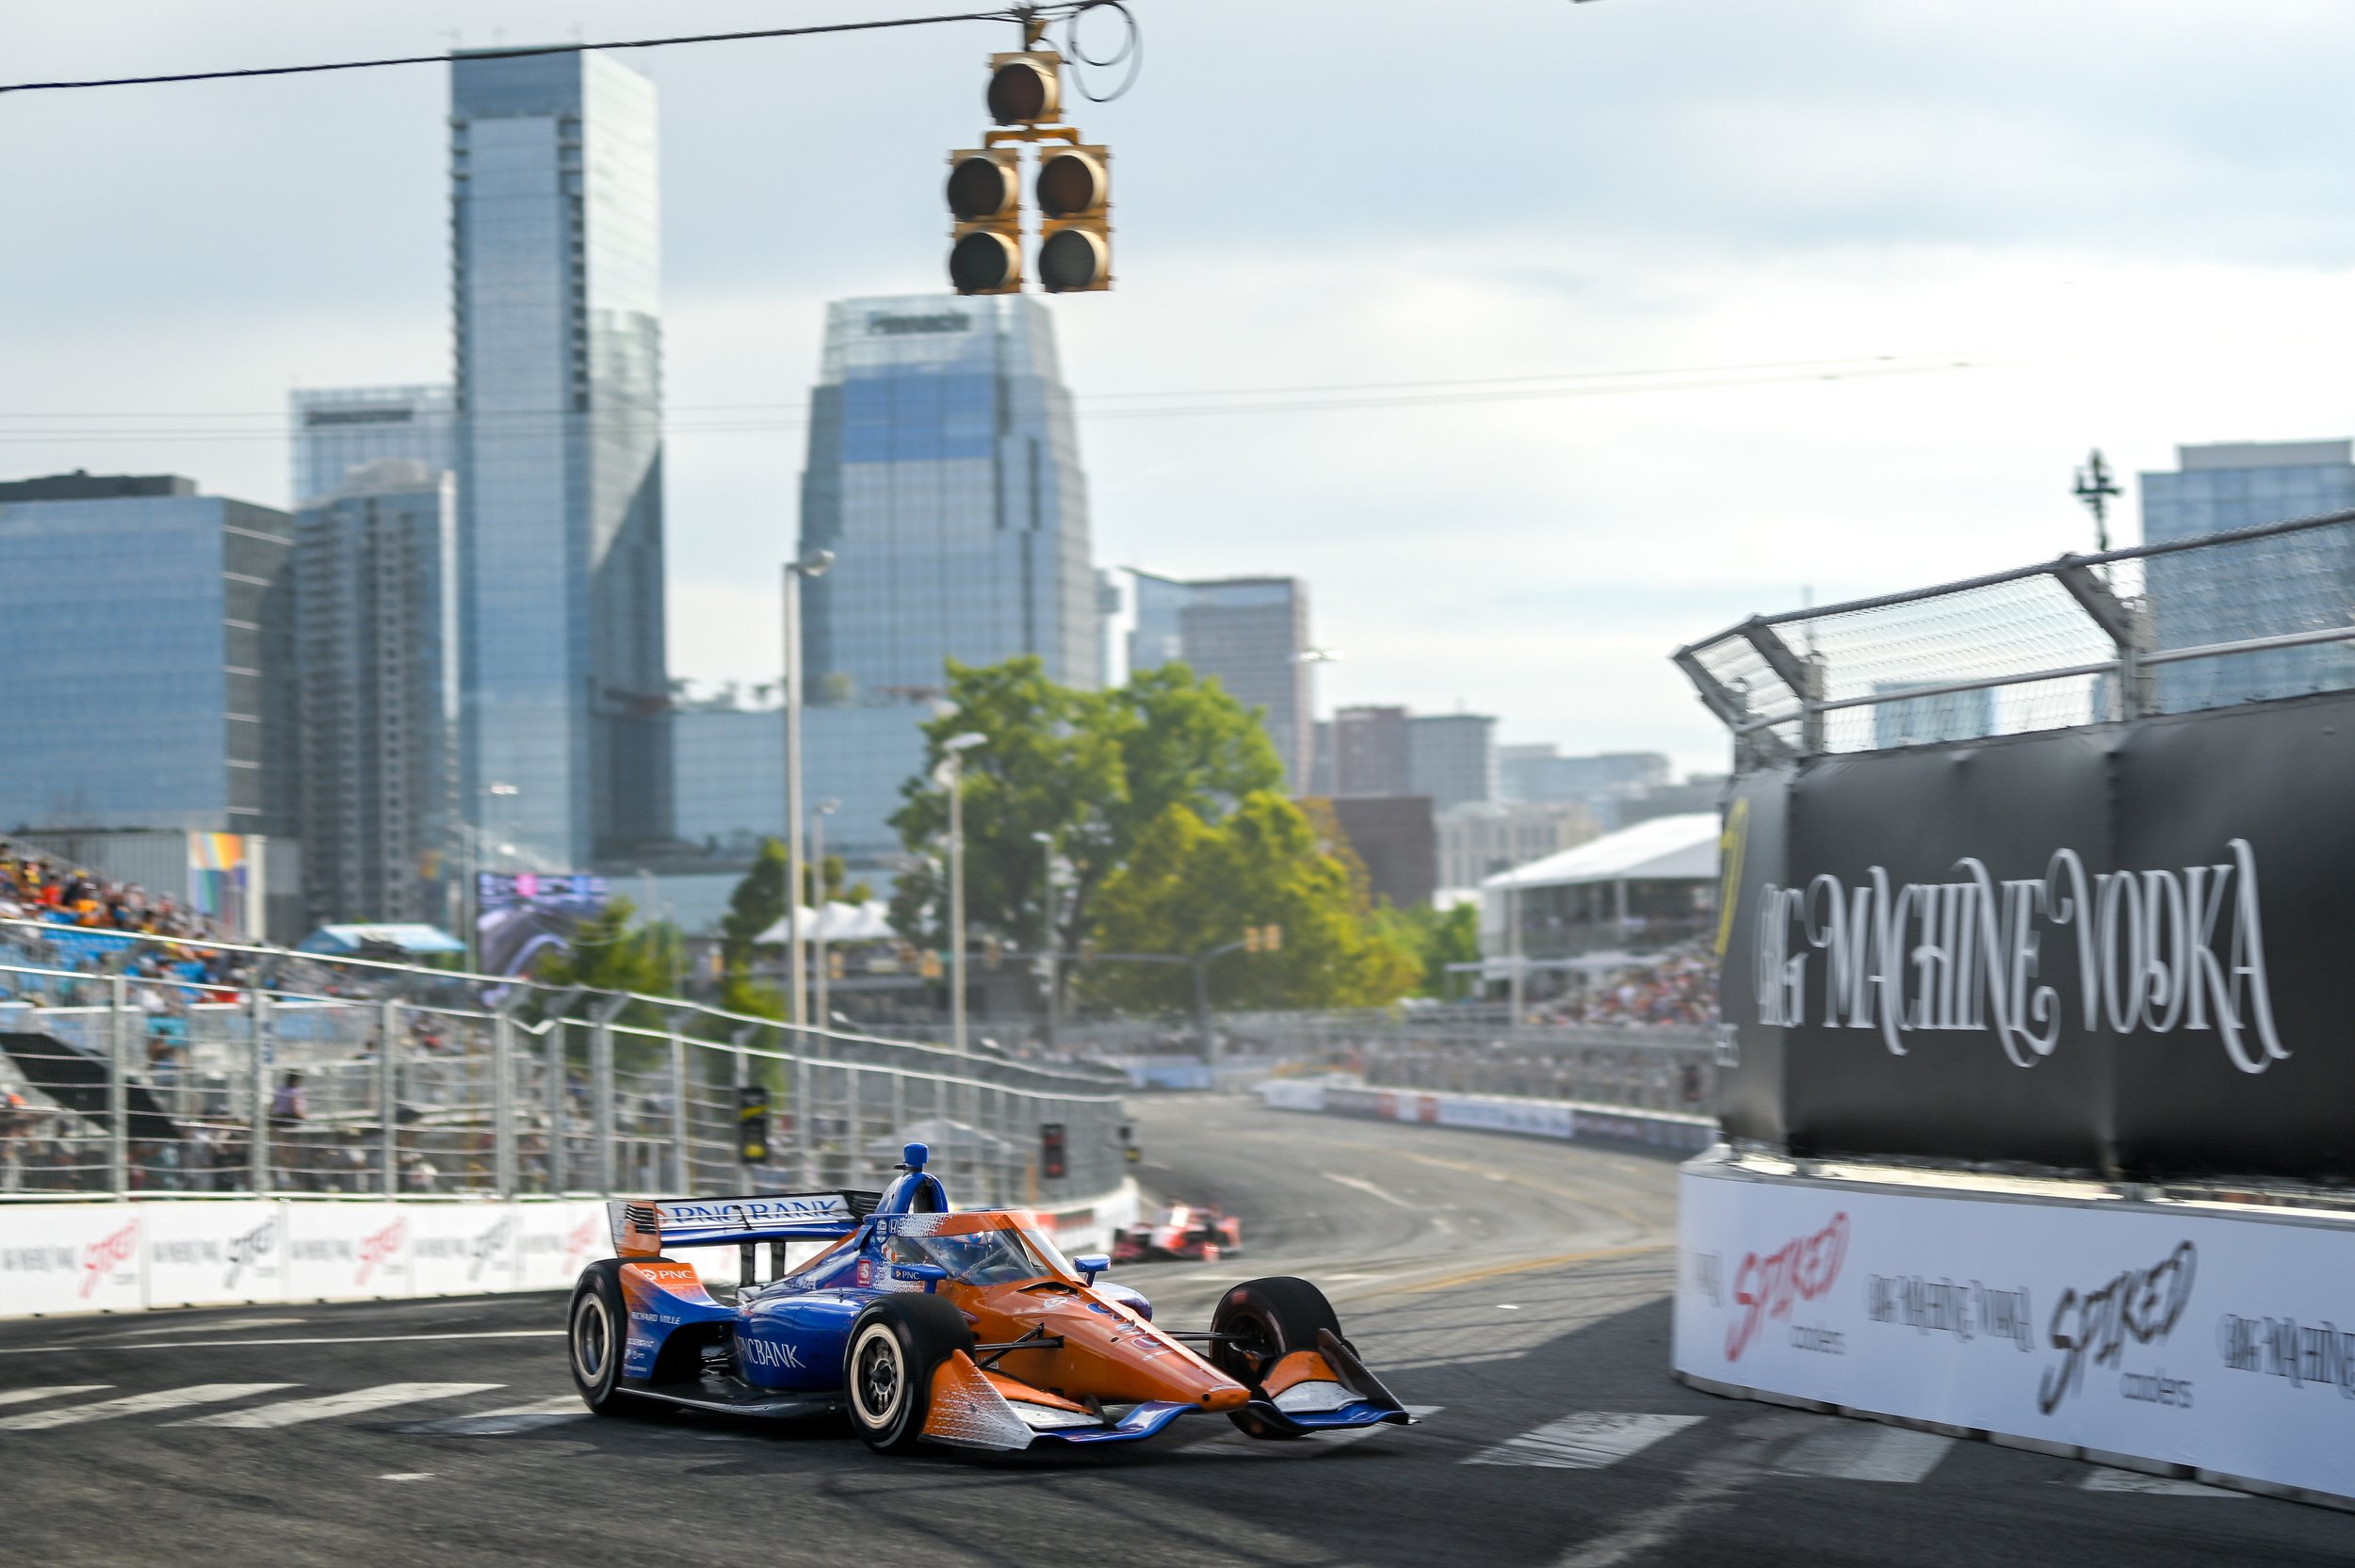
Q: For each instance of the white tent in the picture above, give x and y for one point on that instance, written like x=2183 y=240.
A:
x=868 y=922
x=1666 y=849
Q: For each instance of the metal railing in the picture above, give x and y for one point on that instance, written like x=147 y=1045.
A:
x=367 y=1079
x=2247 y=614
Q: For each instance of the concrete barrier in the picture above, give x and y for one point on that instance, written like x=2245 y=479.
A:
x=70 y=1257
x=1569 y=1119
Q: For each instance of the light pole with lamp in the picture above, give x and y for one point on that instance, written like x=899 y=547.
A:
x=812 y=564
x=952 y=764
x=823 y=905
x=1052 y=944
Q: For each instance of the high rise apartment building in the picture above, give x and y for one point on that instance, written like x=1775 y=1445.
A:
x=555 y=268
x=944 y=475
x=1371 y=752
x=1452 y=757
x=147 y=679
x=375 y=644
x=1249 y=634
x=338 y=429
x=2260 y=589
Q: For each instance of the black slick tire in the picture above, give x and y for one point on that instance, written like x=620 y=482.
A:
x=596 y=1331
x=1268 y=1319
x=895 y=1347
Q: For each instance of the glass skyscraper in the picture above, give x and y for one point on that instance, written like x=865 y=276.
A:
x=555 y=270
x=944 y=474
x=341 y=429
x=1250 y=635
x=2256 y=590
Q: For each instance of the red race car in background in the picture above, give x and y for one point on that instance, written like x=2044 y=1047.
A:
x=1187 y=1231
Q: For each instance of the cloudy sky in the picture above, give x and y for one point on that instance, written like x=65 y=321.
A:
x=2042 y=225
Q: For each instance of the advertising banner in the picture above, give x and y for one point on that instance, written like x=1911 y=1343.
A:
x=344 y=1251
x=77 y=1257
x=461 y=1249
x=554 y=1241
x=2186 y=1337
x=2116 y=949
x=202 y=1253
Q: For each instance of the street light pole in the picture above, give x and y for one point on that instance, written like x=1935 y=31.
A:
x=812 y=564
x=956 y=750
x=825 y=906
x=1051 y=945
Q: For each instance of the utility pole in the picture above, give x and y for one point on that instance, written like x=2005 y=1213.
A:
x=824 y=906
x=812 y=564
x=1052 y=942
x=954 y=762
x=2096 y=488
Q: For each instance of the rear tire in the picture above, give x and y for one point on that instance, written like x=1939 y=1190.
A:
x=896 y=1345
x=597 y=1332
x=1271 y=1318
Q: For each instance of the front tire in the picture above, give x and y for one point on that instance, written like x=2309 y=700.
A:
x=597 y=1332
x=896 y=1345
x=1268 y=1321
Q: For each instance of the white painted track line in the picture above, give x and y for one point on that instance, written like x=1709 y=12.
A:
x=553 y=1411
x=1589 y=1440
x=294 y=1412
x=137 y=1404
x=2102 y=1478
x=55 y=1391
x=1866 y=1451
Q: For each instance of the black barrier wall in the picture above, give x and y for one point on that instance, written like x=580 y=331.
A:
x=2126 y=949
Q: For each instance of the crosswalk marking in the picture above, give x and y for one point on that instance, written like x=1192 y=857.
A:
x=291 y=1412
x=137 y=1404
x=2102 y=1478
x=511 y=1418
x=55 y=1391
x=1588 y=1440
x=1235 y=1444
x=1861 y=1450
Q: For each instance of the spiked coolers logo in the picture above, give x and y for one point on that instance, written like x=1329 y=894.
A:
x=2156 y=951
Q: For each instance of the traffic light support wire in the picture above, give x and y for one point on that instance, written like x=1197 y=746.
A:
x=1021 y=15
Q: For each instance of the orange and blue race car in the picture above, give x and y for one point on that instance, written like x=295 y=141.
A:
x=924 y=1325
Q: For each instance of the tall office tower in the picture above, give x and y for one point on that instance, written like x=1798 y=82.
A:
x=376 y=645
x=1601 y=782
x=146 y=684
x=2260 y=589
x=944 y=474
x=1452 y=757
x=1251 y=634
x=341 y=429
x=554 y=266
x=1371 y=754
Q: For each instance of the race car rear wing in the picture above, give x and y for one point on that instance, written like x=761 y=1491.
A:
x=644 y=1226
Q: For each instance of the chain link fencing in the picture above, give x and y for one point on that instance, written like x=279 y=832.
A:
x=295 y=1075
x=2241 y=615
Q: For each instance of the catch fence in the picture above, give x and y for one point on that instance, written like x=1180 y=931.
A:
x=2247 y=614
x=365 y=1079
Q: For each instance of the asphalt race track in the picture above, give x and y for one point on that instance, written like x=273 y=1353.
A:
x=1514 y=1290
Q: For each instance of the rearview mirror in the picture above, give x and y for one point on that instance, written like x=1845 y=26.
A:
x=1091 y=1265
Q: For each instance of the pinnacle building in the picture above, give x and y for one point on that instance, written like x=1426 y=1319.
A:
x=944 y=475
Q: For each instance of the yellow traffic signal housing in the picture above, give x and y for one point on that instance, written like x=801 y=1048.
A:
x=1251 y=939
x=1273 y=940
x=985 y=200
x=1075 y=235
x=1025 y=87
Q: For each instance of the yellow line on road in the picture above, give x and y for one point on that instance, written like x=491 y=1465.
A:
x=1527 y=1266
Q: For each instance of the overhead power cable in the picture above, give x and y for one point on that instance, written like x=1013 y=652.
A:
x=1000 y=15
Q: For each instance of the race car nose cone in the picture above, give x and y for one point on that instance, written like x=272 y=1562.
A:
x=1225 y=1398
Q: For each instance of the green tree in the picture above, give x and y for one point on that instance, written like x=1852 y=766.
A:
x=1090 y=770
x=1192 y=886
x=755 y=905
x=610 y=952
x=1437 y=938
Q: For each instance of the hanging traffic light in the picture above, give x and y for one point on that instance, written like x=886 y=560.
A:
x=1025 y=87
x=752 y=1123
x=985 y=198
x=1075 y=232
x=1053 y=1162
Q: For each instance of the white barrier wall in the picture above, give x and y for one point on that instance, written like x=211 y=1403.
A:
x=125 y=1257
x=2168 y=1334
x=1509 y=1113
